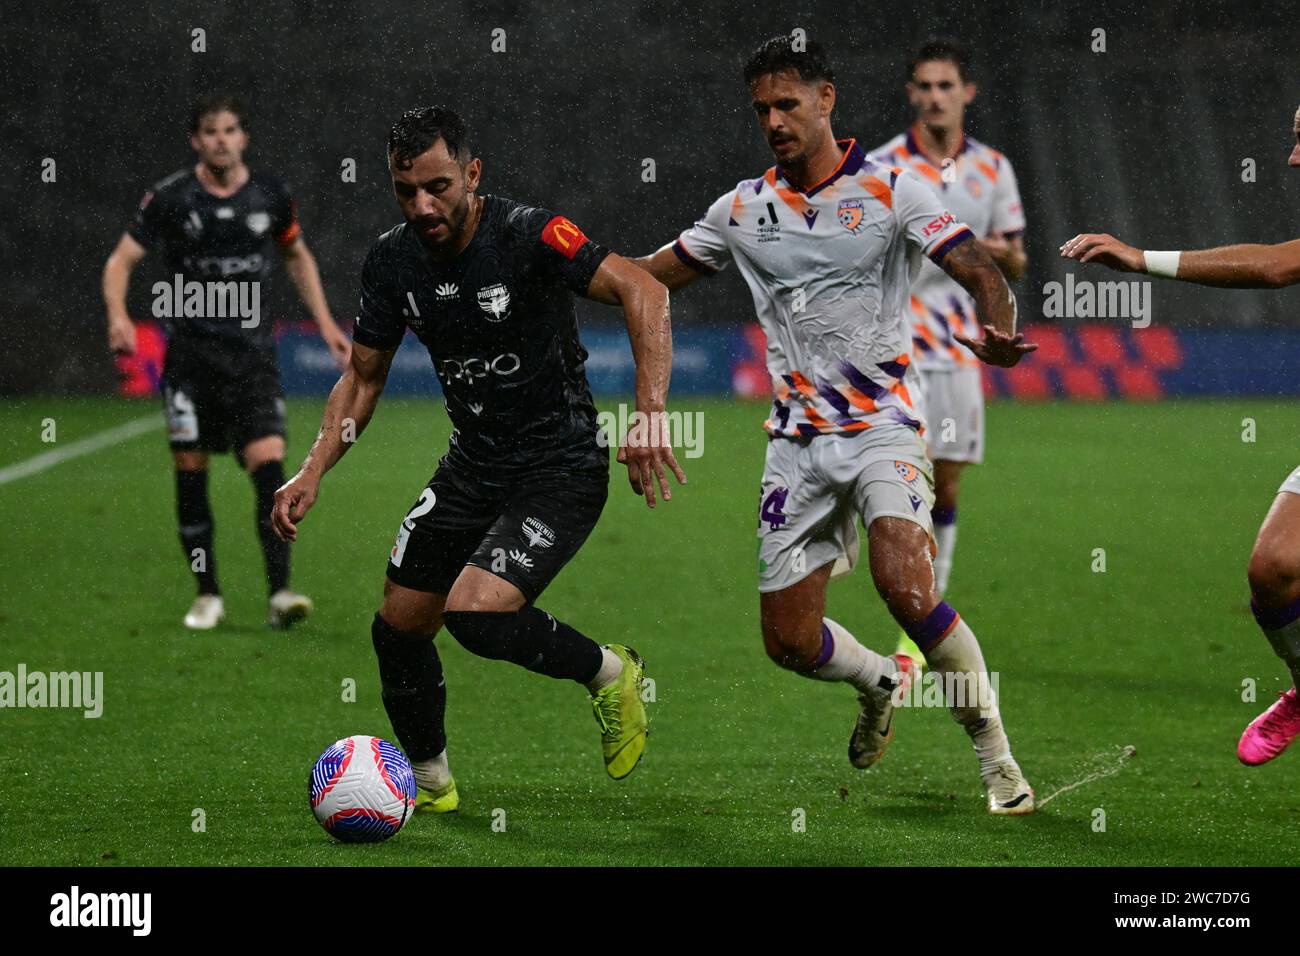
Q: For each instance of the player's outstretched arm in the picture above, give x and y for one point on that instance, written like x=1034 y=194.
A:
x=302 y=269
x=971 y=267
x=647 y=447
x=1246 y=266
x=117 y=276
x=665 y=266
x=351 y=403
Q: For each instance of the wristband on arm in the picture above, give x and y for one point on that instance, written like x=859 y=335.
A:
x=1163 y=264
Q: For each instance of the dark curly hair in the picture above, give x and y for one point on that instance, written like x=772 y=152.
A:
x=778 y=54
x=419 y=129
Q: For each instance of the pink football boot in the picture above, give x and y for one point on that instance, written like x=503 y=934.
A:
x=1271 y=732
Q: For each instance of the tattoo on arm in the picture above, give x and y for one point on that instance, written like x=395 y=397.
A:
x=974 y=269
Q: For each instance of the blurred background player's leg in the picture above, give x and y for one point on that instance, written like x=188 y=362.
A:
x=264 y=460
x=947 y=483
x=194 y=518
x=1275 y=598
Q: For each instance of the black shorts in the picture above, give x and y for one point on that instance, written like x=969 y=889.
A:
x=219 y=400
x=524 y=531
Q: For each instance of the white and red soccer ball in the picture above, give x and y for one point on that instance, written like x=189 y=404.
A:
x=362 y=789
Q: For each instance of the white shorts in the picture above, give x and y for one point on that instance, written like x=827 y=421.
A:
x=815 y=490
x=1292 y=483
x=952 y=401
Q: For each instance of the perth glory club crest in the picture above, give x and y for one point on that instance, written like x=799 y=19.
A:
x=850 y=214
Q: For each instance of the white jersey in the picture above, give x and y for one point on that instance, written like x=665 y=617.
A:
x=980 y=188
x=829 y=269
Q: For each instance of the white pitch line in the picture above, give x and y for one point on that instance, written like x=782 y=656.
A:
x=1124 y=755
x=84 y=446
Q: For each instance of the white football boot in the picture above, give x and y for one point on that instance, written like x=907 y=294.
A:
x=287 y=607
x=875 y=726
x=207 y=611
x=1009 y=792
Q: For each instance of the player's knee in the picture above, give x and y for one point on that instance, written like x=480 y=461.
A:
x=409 y=617
x=901 y=569
x=909 y=597
x=1273 y=574
x=793 y=645
x=383 y=631
x=468 y=601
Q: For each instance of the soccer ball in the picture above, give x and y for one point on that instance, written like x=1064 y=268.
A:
x=362 y=789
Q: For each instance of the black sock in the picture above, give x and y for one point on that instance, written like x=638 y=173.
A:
x=530 y=638
x=195 y=520
x=414 y=692
x=268 y=477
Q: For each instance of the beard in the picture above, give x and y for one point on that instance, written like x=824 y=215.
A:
x=792 y=161
x=454 y=221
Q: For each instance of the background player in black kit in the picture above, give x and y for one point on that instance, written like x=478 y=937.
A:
x=487 y=285
x=221 y=383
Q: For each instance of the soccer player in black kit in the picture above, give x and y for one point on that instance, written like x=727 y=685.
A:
x=487 y=285
x=221 y=383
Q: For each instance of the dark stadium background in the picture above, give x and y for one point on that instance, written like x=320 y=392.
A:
x=1145 y=140
x=1126 y=683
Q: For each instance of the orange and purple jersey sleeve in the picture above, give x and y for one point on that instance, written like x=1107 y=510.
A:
x=703 y=246
x=924 y=220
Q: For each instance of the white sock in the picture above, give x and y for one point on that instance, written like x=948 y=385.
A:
x=970 y=694
x=432 y=773
x=847 y=660
x=945 y=536
x=611 y=665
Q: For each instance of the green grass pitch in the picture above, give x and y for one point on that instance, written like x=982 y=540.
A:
x=1151 y=653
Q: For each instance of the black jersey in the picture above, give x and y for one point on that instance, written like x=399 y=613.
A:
x=209 y=239
x=500 y=328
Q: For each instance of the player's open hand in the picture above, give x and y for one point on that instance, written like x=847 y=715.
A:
x=293 y=499
x=998 y=348
x=1104 y=250
x=646 y=448
x=121 y=336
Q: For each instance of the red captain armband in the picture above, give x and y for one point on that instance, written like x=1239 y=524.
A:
x=564 y=237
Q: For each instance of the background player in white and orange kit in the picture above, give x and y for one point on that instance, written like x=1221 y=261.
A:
x=828 y=242
x=1274 y=570
x=978 y=185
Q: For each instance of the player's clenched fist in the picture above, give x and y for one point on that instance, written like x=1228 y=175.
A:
x=1105 y=250
x=293 y=499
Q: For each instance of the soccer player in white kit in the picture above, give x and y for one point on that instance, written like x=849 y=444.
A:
x=828 y=241
x=976 y=183
x=1274 y=570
